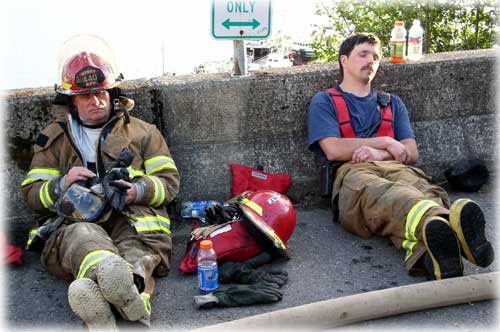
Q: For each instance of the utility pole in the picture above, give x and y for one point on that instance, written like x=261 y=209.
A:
x=162 y=58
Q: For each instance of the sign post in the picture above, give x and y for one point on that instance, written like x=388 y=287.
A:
x=240 y=20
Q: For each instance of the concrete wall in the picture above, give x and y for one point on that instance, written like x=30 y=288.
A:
x=214 y=120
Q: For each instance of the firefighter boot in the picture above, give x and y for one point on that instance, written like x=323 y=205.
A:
x=116 y=281
x=443 y=258
x=467 y=221
x=87 y=302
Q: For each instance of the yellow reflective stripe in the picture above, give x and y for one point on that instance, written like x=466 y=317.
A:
x=46 y=192
x=414 y=216
x=134 y=172
x=44 y=170
x=151 y=228
x=408 y=246
x=159 y=163
x=28 y=181
x=159 y=191
x=147 y=304
x=91 y=259
x=37 y=174
x=254 y=206
x=31 y=236
x=152 y=223
x=45 y=198
x=412 y=220
x=275 y=237
x=153 y=218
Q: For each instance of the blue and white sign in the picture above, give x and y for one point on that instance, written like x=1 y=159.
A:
x=245 y=19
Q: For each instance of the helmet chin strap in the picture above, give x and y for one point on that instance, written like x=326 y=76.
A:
x=117 y=107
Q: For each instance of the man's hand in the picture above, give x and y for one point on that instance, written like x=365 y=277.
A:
x=116 y=187
x=397 y=150
x=366 y=153
x=78 y=173
x=131 y=192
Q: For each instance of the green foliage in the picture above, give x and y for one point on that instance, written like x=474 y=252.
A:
x=450 y=25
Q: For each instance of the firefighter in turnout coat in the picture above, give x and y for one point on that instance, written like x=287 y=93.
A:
x=111 y=260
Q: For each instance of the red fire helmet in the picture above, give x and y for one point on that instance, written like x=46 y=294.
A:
x=86 y=73
x=273 y=215
x=86 y=65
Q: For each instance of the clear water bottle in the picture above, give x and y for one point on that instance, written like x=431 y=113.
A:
x=196 y=209
x=398 y=42
x=208 y=273
x=415 y=41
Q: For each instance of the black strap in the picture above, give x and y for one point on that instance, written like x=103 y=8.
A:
x=66 y=132
x=101 y=171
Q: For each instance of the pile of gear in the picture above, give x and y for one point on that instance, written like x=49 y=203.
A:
x=248 y=232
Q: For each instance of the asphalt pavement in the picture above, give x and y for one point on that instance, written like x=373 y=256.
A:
x=326 y=263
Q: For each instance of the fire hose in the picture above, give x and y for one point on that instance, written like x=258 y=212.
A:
x=356 y=308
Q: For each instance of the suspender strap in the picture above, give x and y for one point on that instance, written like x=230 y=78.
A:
x=385 y=128
x=346 y=130
x=342 y=113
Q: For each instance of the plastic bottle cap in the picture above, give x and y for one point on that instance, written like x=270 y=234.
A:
x=206 y=244
x=399 y=23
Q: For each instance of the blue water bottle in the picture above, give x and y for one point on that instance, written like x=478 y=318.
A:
x=208 y=273
x=195 y=209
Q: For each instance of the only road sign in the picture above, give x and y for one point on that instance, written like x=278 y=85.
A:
x=245 y=19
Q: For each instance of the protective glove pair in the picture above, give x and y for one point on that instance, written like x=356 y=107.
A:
x=216 y=214
x=249 y=273
x=115 y=191
x=254 y=286
x=239 y=295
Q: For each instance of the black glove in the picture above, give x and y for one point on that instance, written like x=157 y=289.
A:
x=239 y=295
x=247 y=272
x=43 y=233
x=218 y=214
x=46 y=230
x=124 y=160
x=114 y=191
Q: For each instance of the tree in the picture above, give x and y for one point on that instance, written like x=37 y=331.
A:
x=450 y=25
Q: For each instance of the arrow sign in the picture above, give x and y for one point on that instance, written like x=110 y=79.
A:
x=228 y=24
x=241 y=19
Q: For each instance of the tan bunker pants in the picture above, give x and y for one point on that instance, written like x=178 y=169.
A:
x=75 y=250
x=389 y=199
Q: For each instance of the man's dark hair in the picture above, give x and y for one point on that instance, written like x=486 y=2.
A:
x=359 y=38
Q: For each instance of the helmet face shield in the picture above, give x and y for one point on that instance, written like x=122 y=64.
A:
x=80 y=204
x=265 y=236
x=86 y=64
x=270 y=217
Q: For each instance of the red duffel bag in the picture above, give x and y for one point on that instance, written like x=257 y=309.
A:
x=246 y=178
x=231 y=242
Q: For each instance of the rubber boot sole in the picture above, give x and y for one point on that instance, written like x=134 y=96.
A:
x=443 y=248
x=116 y=281
x=467 y=220
x=88 y=303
